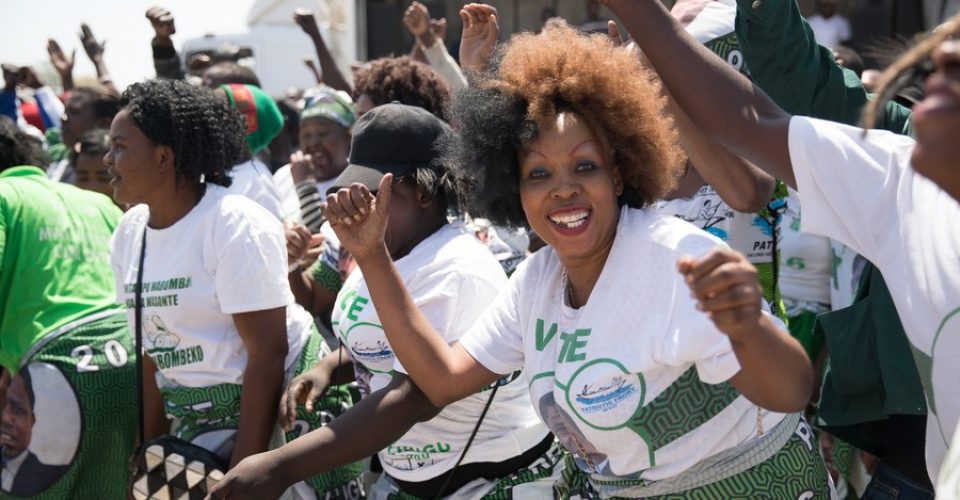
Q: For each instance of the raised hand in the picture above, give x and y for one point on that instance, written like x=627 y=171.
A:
x=304 y=390
x=302 y=167
x=59 y=60
x=439 y=27
x=359 y=218
x=417 y=19
x=480 y=32
x=162 y=21
x=11 y=76
x=307 y=22
x=725 y=286
x=91 y=46
x=303 y=248
x=29 y=78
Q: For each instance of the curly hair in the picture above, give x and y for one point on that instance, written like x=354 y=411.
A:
x=402 y=79
x=205 y=134
x=18 y=147
x=536 y=76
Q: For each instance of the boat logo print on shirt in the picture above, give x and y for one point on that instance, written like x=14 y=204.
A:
x=379 y=350
x=604 y=395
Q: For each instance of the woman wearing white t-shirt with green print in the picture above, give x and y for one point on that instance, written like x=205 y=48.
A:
x=220 y=330
x=452 y=277
x=653 y=392
x=890 y=198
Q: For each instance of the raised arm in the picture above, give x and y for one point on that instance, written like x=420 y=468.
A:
x=720 y=101
x=445 y=373
x=94 y=50
x=62 y=63
x=166 y=60
x=480 y=33
x=328 y=66
x=799 y=75
x=741 y=185
x=417 y=20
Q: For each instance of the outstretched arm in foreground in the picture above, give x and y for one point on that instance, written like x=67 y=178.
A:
x=361 y=431
x=720 y=101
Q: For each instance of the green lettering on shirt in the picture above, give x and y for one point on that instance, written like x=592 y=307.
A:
x=571 y=343
x=356 y=306
x=543 y=340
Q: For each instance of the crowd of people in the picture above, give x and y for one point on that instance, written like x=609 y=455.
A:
x=691 y=254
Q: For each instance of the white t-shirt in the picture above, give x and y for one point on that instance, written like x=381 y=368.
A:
x=226 y=256
x=830 y=32
x=452 y=278
x=633 y=382
x=252 y=179
x=287 y=191
x=806 y=262
x=904 y=223
x=749 y=234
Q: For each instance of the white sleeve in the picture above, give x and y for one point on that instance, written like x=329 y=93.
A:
x=845 y=31
x=694 y=339
x=251 y=259
x=443 y=63
x=496 y=340
x=452 y=301
x=850 y=186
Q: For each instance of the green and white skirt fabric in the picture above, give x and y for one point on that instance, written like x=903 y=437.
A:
x=210 y=416
x=75 y=396
x=783 y=464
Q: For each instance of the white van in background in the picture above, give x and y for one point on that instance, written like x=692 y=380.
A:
x=275 y=47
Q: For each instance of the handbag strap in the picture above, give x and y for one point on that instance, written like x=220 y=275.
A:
x=138 y=326
x=466 y=447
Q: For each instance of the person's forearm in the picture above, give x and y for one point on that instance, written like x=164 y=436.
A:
x=351 y=437
x=66 y=80
x=337 y=366
x=441 y=61
x=423 y=352
x=719 y=100
x=740 y=184
x=775 y=372
x=302 y=287
x=331 y=72
x=155 y=422
x=262 y=388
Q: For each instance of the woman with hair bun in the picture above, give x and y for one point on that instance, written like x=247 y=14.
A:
x=220 y=330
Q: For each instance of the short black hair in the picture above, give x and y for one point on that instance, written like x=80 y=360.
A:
x=438 y=184
x=206 y=135
x=105 y=104
x=95 y=142
x=24 y=375
x=231 y=72
x=18 y=147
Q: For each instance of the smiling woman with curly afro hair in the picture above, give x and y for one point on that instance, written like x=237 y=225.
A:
x=560 y=70
x=660 y=373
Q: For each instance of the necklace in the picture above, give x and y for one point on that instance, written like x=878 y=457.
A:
x=568 y=287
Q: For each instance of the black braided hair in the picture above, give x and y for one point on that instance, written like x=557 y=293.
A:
x=207 y=136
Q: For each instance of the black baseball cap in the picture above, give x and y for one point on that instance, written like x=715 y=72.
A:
x=390 y=139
